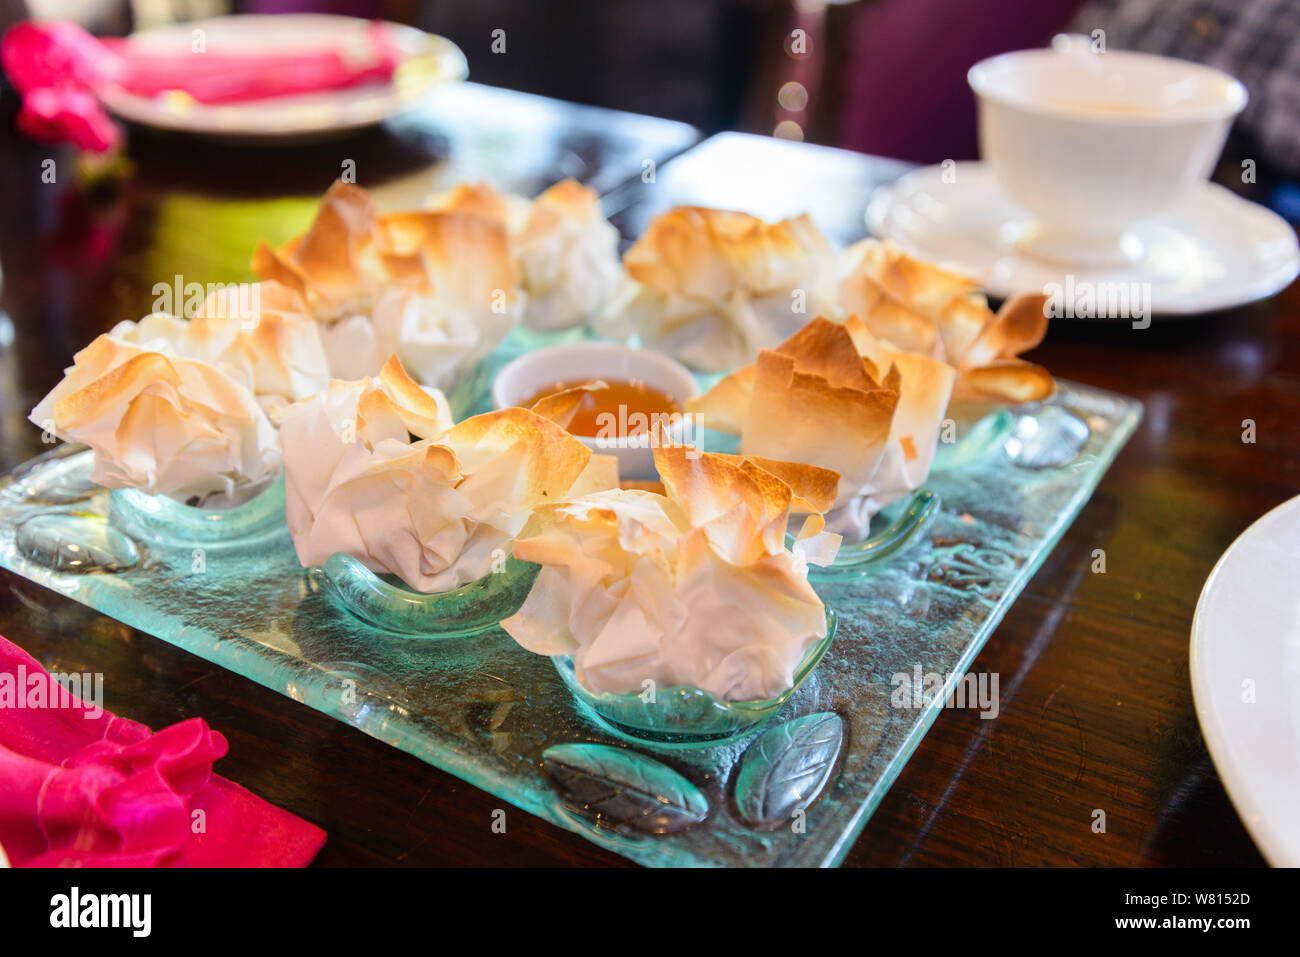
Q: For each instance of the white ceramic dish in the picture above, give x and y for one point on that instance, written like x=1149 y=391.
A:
x=1090 y=144
x=1245 y=664
x=429 y=61
x=524 y=377
x=1210 y=250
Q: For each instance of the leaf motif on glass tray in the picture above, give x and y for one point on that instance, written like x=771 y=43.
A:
x=367 y=698
x=622 y=841
x=970 y=567
x=75 y=542
x=785 y=770
x=625 y=787
x=59 y=477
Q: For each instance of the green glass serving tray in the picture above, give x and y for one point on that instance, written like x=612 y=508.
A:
x=794 y=790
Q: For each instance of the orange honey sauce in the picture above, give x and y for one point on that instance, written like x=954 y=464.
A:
x=618 y=409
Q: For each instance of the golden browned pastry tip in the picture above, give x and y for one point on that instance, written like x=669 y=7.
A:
x=566 y=201
x=560 y=407
x=441 y=502
x=349 y=250
x=437 y=287
x=1012 y=380
x=422 y=414
x=265 y=331
x=905 y=278
x=653 y=486
x=565 y=252
x=689 y=245
x=922 y=308
x=836 y=396
x=696 y=586
x=550 y=458
x=160 y=419
x=707 y=485
x=478 y=198
x=815 y=398
x=813 y=488
x=711 y=287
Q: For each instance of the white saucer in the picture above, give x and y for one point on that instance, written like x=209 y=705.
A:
x=1213 y=250
x=428 y=61
x=1247 y=629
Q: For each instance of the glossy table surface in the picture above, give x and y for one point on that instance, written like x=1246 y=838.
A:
x=1096 y=707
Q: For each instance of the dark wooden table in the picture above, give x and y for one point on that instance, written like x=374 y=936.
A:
x=1096 y=708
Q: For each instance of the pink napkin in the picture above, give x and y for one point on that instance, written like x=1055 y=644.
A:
x=82 y=787
x=58 y=66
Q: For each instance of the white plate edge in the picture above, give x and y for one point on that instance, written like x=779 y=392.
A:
x=1277 y=850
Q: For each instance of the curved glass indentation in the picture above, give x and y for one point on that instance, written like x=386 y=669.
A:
x=397 y=608
x=982 y=438
x=685 y=715
x=908 y=523
x=160 y=518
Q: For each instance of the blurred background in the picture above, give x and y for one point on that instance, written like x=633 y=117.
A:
x=877 y=76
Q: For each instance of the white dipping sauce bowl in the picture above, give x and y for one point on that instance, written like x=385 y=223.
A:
x=1091 y=143
x=522 y=378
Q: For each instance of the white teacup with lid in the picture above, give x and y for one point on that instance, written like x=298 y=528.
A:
x=1091 y=142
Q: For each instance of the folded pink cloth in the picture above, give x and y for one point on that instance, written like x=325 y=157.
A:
x=82 y=787
x=57 y=67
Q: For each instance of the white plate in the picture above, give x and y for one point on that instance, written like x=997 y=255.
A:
x=1247 y=630
x=429 y=60
x=1213 y=250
